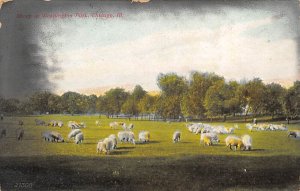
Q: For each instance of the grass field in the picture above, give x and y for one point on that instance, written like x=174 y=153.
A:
x=274 y=162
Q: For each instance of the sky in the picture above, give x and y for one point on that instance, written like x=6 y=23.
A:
x=237 y=41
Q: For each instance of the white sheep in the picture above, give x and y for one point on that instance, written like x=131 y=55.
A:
x=295 y=134
x=176 y=136
x=79 y=138
x=73 y=133
x=101 y=147
x=247 y=141
x=114 y=139
x=126 y=136
x=52 y=136
x=105 y=146
x=234 y=141
x=209 y=138
x=129 y=127
x=60 y=124
x=144 y=136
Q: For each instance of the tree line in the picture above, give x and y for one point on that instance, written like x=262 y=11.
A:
x=201 y=95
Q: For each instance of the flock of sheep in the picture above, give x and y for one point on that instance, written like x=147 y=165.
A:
x=209 y=135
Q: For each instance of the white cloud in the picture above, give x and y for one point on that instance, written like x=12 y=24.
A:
x=223 y=51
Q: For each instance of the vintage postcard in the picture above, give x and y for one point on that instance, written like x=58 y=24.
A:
x=149 y=95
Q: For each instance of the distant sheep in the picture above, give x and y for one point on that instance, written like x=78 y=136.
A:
x=176 y=136
x=144 y=136
x=79 y=138
x=60 y=124
x=52 y=136
x=73 y=133
x=247 y=141
x=39 y=122
x=209 y=138
x=20 y=134
x=105 y=146
x=295 y=134
x=129 y=127
x=234 y=141
x=114 y=139
x=3 y=133
x=126 y=136
x=75 y=125
x=115 y=124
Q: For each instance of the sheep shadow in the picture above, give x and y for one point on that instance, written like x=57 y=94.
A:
x=117 y=152
x=144 y=143
x=258 y=150
x=124 y=148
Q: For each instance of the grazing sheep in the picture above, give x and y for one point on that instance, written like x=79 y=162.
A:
x=73 y=133
x=98 y=123
x=105 y=146
x=47 y=136
x=20 y=134
x=176 y=136
x=129 y=127
x=3 y=133
x=114 y=139
x=211 y=138
x=101 y=147
x=207 y=140
x=234 y=141
x=79 y=138
x=114 y=125
x=39 y=122
x=126 y=136
x=144 y=136
x=295 y=134
x=247 y=141
x=60 y=124
x=52 y=136
x=75 y=125
x=57 y=136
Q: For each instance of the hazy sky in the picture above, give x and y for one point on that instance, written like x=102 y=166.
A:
x=237 y=41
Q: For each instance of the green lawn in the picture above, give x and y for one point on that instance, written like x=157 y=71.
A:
x=265 y=143
x=33 y=164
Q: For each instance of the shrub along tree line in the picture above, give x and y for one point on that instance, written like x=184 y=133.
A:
x=201 y=95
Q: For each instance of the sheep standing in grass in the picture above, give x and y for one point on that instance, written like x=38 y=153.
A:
x=144 y=136
x=247 y=141
x=101 y=147
x=114 y=139
x=176 y=136
x=39 y=122
x=20 y=134
x=3 y=133
x=295 y=134
x=209 y=138
x=113 y=125
x=60 y=124
x=57 y=136
x=47 y=136
x=79 y=138
x=129 y=127
x=234 y=141
x=73 y=133
x=126 y=136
